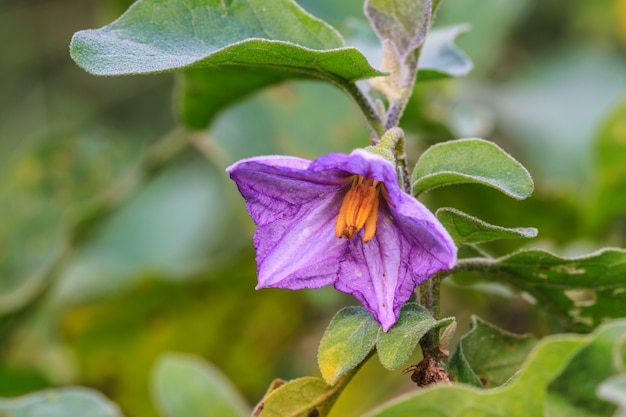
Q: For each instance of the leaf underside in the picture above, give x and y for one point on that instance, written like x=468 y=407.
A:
x=226 y=50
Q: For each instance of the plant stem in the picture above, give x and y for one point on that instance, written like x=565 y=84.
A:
x=429 y=298
x=393 y=141
x=397 y=107
x=366 y=106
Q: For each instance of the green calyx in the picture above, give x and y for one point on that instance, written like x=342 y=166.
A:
x=385 y=153
x=390 y=145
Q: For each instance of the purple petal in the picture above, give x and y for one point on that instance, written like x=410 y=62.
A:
x=430 y=247
x=359 y=162
x=296 y=210
x=377 y=274
x=301 y=251
x=276 y=187
x=409 y=246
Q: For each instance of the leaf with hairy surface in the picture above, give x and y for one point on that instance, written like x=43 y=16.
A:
x=227 y=50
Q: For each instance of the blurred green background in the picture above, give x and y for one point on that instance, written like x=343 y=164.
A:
x=121 y=237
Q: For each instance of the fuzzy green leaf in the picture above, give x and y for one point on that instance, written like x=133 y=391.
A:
x=185 y=386
x=396 y=346
x=65 y=402
x=165 y=35
x=471 y=161
x=523 y=397
x=526 y=395
x=233 y=48
x=573 y=392
x=583 y=291
x=349 y=338
x=462 y=370
x=403 y=22
x=488 y=356
x=466 y=229
x=302 y=397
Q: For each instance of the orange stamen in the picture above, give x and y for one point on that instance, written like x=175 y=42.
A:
x=359 y=209
x=370 y=224
x=341 y=218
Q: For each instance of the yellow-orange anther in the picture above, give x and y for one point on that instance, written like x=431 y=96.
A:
x=359 y=209
x=370 y=224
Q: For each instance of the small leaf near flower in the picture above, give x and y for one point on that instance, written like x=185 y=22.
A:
x=397 y=345
x=471 y=161
x=349 y=338
x=466 y=229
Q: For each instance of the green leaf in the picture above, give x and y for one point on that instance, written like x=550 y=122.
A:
x=440 y=57
x=488 y=356
x=461 y=369
x=531 y=393
x=348 y=340
x=403 y=22
x=302 y=397
x=186 y=386
x=583 y=292
x=573 y=392
x=234 y=49
x=353 y=332
x=523 y=397
x=65 y=402
x=396 y=346
x=466 y=229
x=614 y=390
x=164 y=35
x=471 y=161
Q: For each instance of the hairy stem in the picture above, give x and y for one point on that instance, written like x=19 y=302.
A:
x=366 y=106
x=429 y=298
x=393 y=141
x=397 y=106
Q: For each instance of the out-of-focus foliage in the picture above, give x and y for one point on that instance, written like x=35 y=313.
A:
x=488 y=356
x=187 y=387
x=610 y=176
x=67 y=402
x=95 y=298
x=542 y=388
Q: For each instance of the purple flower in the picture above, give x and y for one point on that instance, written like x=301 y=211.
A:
x=341 y=220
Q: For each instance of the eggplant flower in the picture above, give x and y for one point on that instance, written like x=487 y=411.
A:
x=341 y=220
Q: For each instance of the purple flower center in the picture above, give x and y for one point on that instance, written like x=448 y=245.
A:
x=359 y=208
